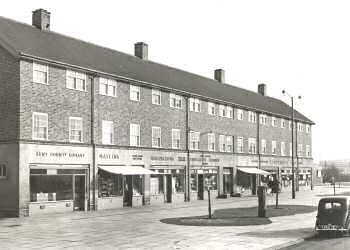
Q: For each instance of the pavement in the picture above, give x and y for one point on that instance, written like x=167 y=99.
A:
x=141 y=228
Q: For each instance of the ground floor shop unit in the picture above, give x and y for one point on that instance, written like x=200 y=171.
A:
x=42 y=179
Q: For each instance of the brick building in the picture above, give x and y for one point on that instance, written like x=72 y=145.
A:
x=85 y=127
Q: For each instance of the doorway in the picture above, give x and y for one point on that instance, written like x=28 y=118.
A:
x=128 y=191
x=169 y=189
x=79 y=192
x=200 y=187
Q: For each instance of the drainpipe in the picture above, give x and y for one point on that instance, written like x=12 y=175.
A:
x=188 y=168
x=92 y=127
x=297 y=156
x=258 y=146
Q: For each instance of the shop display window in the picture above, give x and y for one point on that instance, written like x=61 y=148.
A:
x=157 y=184
x=137 y=185
x=194 y=181
x=51 y=187
x=109 y=185
x=178 y=180
x=211 y=181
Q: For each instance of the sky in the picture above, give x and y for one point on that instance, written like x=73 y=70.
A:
x=302 y=46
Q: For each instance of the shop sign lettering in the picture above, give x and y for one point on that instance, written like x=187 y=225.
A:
x=162 y=158
x=59 y=154
x=137 y=157
x=108 y=156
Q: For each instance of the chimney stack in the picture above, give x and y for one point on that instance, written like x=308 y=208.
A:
x=141 y=50
x=41 y=19
x=262 y=89
x=219 y=75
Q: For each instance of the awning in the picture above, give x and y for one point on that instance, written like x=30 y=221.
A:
x=127 y=170
x=254 y=171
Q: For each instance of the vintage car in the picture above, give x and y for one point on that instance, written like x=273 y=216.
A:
x=333 y=215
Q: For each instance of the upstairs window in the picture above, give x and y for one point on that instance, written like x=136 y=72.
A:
x=211 y=142
x=283 y=123
x=300 y=127
x=252 y=116
x=263 y=119
x=107 y=132
x=240 y=114
x=290 y=149
x=175 y=101
x=134 y=135
x=252 y=145
x=263 y=146
x=222 y=143
x=40 y=73
x=300 y=149
x=274 y=122
x=76 y=80
x=229 y=143
x=134 y=93
x=156 y=97
x=175 y=134
x=3 y=171
x=194 y=140
x=211 y=108
x=283 y=148
x=274 y=147
x=75 y=129
x=40 y=126
x=222 y=110
x=240 y=145
x=195 y=105
x=308 y=128
x=308 y=151
x=108 y=87
x=229 y=111
x=156 y=137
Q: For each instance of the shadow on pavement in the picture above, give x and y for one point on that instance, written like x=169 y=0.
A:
x=288 y=233
x=336 y=194
x=246 y=216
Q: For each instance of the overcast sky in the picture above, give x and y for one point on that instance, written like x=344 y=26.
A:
x=301 y=46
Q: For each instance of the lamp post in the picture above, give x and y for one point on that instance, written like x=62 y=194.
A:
x=293 y=170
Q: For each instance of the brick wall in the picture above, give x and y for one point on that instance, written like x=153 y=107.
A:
x=9 y=96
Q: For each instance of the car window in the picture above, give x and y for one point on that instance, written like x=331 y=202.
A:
x=332 y=205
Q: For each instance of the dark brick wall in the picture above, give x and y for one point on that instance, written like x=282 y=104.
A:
x=55 y=99
x=9 y=96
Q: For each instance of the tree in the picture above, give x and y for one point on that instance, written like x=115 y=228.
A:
x=330 y=171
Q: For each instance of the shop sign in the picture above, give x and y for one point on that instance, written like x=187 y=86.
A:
x=162 y=158
x=137 y=157
x=108 y=156
x=57 y=154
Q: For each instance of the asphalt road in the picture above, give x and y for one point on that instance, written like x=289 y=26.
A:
x=332 y=243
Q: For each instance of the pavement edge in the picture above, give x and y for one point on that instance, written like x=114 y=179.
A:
x=291 y=243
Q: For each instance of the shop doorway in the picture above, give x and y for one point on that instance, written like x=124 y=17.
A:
x=79 y=192
x=228 y=180
x=200 y=187
x=169 y=189
x=128 y=191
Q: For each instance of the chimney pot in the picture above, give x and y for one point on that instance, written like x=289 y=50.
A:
x=219 y=75
x=262 y=89
x=141 y=50
x=41 y=19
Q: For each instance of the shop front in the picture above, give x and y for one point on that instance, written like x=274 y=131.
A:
x=54 y=179
x=203 y=179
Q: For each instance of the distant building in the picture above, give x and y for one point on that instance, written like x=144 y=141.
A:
x=342 y=165
x=85 y=127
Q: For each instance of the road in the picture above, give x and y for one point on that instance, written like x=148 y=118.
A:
x=339 y=243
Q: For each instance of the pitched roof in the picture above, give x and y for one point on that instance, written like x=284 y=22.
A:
x=25 y=39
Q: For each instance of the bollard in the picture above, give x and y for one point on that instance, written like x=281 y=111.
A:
x=262 y=201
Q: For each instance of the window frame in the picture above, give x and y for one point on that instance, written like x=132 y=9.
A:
x=108 y=82
x=229 y=112
x=37 y=64
x=135 y=89
x=104 y=123
x=197 y=143
x=263 y=146
x=177 y=99
x=70 y=131
x=154 y=132
x=173 y=139
x=274 y=147
x=252 y=141
x=222 y=110
x=157 y=92
x=135 y=125
x=283 y=148
x=211 y=107
x=252 y=116
x=229 y=143
x=3 y=170
x=240 y=114
x=70 y=73
x=211 y=142
x=47 y=127
x=240 y=144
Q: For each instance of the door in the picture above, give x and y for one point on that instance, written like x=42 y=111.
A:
x=228 y=181
x=79 y=192
x=127 y=197
x=200 y=187
x=169 y=190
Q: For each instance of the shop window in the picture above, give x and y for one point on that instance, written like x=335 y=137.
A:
x=109 y=185
x=157 y=184
x=137 y=185
x=211 y=181
x=51 y=187
x=3 y=171
x=194 y=181
x=178 y=181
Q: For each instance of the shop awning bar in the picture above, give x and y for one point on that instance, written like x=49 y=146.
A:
x=254 y=171
x=127 y=170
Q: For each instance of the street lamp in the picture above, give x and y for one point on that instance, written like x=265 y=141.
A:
x=293 y=172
